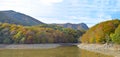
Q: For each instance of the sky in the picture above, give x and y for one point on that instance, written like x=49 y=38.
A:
x=90 y=12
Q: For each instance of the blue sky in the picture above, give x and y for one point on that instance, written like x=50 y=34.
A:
x=90 y=12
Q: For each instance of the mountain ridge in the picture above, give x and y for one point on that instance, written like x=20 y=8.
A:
x=80 y=26
x=13 y=17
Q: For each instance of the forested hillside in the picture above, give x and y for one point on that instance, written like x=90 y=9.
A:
x=19 y=28
x=104 y=32
x=18 y=34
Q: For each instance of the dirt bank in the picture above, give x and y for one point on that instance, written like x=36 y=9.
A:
x=110 y=49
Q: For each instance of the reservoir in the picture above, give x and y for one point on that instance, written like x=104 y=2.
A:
x=54 y=51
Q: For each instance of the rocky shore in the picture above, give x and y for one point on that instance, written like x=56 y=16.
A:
x=113 y=50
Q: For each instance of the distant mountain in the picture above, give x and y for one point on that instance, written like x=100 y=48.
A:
x=13 y=17
x=81 y=26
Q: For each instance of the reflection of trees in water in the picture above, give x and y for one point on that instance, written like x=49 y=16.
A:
x=62 y=51
x=85 y=53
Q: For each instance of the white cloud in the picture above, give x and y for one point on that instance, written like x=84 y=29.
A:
x=50 y=2
x=72 y=17
x=28 y=2
x=52 y=20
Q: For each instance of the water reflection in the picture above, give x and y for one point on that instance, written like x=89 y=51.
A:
x=62 y=51
x=85 y=53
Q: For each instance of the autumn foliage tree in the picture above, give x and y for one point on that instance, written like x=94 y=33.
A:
x=116 y=36
x=18 y=34
x=100 y=32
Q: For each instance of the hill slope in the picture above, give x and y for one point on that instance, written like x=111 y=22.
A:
x=102 y=32
x=17 y=18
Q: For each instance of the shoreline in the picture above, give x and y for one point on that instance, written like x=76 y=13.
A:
x=35 y=46
x=102 y=48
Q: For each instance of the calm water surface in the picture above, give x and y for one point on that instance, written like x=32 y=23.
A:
x=61 y=51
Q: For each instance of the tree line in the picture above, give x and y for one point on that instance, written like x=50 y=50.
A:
x=18 y=34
